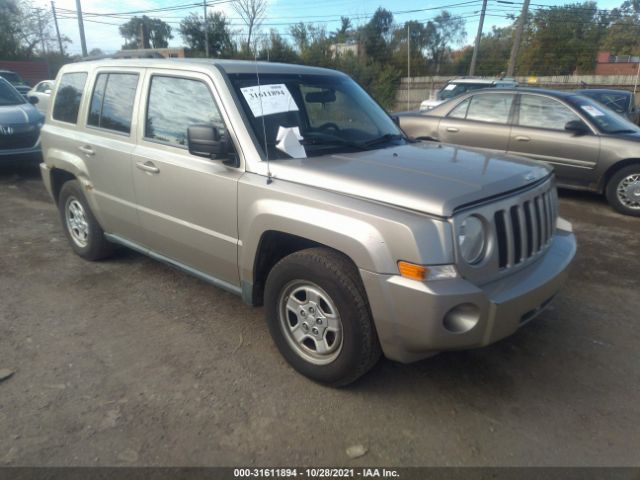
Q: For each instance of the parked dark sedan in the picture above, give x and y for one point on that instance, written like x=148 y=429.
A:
x=589 y=146
x=20 y=124
x=622 y=102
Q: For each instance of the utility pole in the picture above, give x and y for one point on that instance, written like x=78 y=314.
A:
x=55 y=21
x=83 y=42
x=206 y=29
x=42 y=45
x=408 y=64
x=476 y=46
x=518 y=38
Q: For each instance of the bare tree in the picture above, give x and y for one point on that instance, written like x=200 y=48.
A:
x=252 y=13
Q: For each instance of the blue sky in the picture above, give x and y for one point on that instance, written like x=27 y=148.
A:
x=280 y=14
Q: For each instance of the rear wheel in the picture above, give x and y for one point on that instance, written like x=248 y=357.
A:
x=82 y=229
x=319 y=317
x=623 y=190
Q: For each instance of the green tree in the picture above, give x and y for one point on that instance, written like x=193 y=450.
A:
x=377 y=35
x=276 y=49
x=621 y=37
x=562 y=40
x=444 y=31
x=219 y=34
x=342 y=33
x=21 y=25
x=145 y=32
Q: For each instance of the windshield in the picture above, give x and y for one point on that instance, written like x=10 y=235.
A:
x=9 y=95
x=618 y=102
x=299 y=116
x=605 y=120
x=12 y=77
x=454 y=89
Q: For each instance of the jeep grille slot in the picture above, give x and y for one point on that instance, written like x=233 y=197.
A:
x=525 y=229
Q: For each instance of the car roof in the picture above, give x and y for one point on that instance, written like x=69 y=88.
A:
x=227 y=66
x=603 y=90
x=484 y=81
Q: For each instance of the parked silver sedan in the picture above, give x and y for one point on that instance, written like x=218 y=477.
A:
x=590 y=147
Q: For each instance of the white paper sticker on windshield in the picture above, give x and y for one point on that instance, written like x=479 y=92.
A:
x=451 y=86
x=269 y=99
x=288 y=139
x=593 y=111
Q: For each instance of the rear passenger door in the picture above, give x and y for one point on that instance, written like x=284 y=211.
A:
x=92 y=124
x=187 y=204
x=481 y=121
x=110 y=137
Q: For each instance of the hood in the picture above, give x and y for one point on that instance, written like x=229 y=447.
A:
x=634 y=137
x=429 y=104
x=20 y=114
x=427 y=177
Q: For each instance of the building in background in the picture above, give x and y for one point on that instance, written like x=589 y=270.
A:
x=608 y=64
x=31 y=71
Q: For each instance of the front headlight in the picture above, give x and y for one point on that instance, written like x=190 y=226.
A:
x=472 y=239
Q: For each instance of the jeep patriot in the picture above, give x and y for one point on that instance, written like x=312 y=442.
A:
x=291 y=187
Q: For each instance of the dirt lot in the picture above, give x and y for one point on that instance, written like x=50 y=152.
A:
x=128 y=362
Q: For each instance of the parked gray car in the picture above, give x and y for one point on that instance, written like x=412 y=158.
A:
x=589 y=146
x=291 y=187
x=20 y=124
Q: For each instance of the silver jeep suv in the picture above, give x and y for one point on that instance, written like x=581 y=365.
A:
x=291 y=187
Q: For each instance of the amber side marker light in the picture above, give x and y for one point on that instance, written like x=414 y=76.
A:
x=412 y=271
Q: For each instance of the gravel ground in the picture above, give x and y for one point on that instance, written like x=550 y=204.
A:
x=129 y=362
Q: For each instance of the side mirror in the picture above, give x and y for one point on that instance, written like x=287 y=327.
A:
x=205 y=141
x=577 y=127
x=32 y=99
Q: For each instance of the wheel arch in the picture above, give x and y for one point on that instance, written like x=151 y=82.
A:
x=613 y=169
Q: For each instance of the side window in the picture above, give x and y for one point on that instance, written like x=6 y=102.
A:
x=461 y=110
x=542 y=112
x=493 y=107
x=174 y=104
x=67 y=103
x=112 y=101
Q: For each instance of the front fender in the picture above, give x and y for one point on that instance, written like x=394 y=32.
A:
x=359 y=240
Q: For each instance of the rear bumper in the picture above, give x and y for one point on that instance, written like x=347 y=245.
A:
x=410 y=315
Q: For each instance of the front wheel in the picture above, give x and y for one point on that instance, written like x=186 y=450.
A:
x=319 y=317
x=623 y=190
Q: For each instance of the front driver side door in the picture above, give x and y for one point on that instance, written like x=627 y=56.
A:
x=187 y=204
x=539 y=134
x=480 y=121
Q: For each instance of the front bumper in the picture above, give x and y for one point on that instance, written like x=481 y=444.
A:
x=409 y=315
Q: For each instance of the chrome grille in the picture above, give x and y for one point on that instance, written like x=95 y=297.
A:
x=525 y=229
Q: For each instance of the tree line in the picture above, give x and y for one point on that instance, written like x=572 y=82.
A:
x=557 y=40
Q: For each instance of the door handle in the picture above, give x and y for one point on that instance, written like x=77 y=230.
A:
x=452 y=129
x=87 y=150
x=522 y=138
x=148 y=167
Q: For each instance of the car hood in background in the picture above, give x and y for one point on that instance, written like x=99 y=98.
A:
x=19 y=114
x=426 y=177
x=429 y=104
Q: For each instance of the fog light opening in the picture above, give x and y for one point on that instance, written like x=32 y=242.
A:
x=462 y=318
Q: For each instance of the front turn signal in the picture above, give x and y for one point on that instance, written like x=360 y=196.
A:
x=412 y=271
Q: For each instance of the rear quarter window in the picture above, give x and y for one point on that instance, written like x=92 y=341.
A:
x=69 y=96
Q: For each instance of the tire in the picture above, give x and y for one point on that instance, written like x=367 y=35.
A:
x=623 y=190
x=339 y=343
x=80 y=226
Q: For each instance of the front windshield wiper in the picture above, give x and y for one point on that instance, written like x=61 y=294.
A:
x=387 y=137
